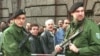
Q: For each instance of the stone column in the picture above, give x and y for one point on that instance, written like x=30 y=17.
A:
x=14 y=5
x=9 y=5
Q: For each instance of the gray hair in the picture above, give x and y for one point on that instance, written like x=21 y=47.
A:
x=49 y=21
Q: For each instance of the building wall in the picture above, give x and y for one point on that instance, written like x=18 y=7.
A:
x=37 y=11
x=0 y=10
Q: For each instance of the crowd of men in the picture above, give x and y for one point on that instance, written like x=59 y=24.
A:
x=16 y=40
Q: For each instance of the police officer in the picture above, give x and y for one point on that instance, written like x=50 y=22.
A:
x=87 y=43
x=13 y=36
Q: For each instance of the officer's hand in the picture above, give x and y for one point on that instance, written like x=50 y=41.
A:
x=73 y=48
x=58 y=48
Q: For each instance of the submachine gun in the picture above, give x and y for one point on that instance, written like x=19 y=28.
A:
x=67 y=41
x=22 y=43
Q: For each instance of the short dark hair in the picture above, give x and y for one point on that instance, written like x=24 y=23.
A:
x=32 y=25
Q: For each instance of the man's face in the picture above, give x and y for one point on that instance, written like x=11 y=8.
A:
x=66 y=23
x=20 y=20
x=78 y=14
x=34 y=30
x=50 y=26
x=28 y=25
x=2 y=24
x=60 y=23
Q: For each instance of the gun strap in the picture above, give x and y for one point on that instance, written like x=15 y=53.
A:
x=19 y=42
x=71 y=31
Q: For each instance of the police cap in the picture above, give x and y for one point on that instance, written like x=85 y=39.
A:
x=17 y=13
x=75 y=6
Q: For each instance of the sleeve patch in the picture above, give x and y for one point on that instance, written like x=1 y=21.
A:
x=98 y=35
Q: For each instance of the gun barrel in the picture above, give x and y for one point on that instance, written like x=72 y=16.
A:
x=66 y=42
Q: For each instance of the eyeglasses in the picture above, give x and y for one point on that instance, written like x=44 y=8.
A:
x=67 y=23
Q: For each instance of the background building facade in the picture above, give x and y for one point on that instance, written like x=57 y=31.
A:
x=37 y=11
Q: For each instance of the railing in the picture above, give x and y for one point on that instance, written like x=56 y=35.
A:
x=39 y=54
